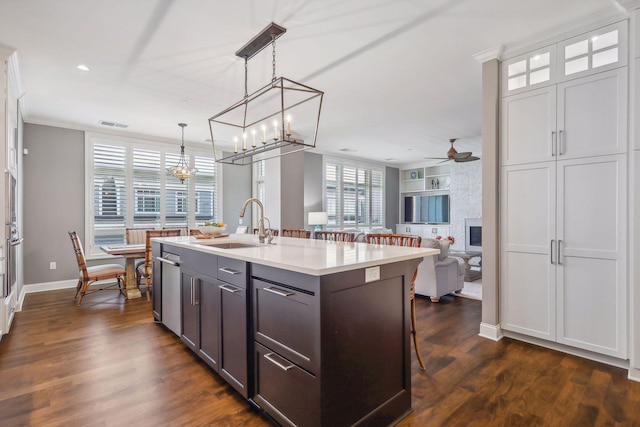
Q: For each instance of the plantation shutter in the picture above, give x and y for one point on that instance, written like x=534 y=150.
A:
x=205 y=190
x=354 y=195
x=109 y=194
x=146 y=188
x=332 y=194
x=377 y=198
x=176 y=195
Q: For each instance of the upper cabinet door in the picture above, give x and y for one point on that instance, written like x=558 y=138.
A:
x=530 y=71
x=592 y=115
x=599 y=50
x=529 y=127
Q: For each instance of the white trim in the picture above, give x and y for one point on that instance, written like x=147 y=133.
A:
x=49 y=286
x=489 y=54
x=628 y=5
x=563 y=32
x=634 y=374
x=601 y=358
x=6 y=51
x=492 y=332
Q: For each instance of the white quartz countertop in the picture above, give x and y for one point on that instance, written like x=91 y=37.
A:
x=308 y=256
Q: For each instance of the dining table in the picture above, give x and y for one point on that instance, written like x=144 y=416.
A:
x=130 y=253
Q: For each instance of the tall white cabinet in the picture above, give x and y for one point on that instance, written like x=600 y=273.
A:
x=563 y=193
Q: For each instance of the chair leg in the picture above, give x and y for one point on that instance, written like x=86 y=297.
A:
x=83 y=291
x=147 y=283
x=413 y=332
x=78 y=287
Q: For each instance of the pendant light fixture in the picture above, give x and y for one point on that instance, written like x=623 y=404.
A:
x=182 y=170
x=280 y=118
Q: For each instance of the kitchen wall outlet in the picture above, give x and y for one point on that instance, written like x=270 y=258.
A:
x=371 y=274
x=52 y=265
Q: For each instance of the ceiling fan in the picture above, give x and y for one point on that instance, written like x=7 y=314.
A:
x=453 y=154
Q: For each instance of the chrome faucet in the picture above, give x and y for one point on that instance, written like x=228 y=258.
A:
x=261 y=234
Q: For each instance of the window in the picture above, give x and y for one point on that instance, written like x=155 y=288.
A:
x=354 y=194
x=129 y=186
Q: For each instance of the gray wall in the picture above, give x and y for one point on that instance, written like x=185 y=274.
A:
x=236 y=181
x=392 y=197
x=312 y=184
x=53 y=201
x=490 y=188
x=292 y=190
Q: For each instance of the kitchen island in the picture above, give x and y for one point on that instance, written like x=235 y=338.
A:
x=314 y=333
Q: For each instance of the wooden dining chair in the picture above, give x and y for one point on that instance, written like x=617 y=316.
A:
x=274 y=232
x=89 y=275
x=184 y=230
x=336 y=236
x=410 y=241
x=300 y=233
x=194 y=232
x=146 y=271
x=136 y=236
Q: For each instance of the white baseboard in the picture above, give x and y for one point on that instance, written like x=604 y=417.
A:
x=492 y=332
x=49 y=286
x=634 y=374
x=602 y=358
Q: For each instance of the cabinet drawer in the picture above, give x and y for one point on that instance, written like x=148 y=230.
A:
x=202 y=262
x=283 y=386
x=286 y=320
x=232 y=271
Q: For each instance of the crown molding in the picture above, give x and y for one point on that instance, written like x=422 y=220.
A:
x=489 y=54
x=627 y=5
x=6 y=51
x=566 y=31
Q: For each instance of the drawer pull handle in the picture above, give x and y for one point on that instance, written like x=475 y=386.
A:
x=228 y=288
x=230 y=271
x=278 y=292
x=168 y=261
x=278 y=364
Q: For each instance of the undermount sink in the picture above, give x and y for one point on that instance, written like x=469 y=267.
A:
x=229 y=245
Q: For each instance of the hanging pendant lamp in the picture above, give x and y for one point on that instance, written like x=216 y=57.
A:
x=182 y=170
x=280 y=118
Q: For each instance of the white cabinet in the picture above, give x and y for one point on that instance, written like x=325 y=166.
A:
x=423 y=230
x=563 y=199
x=563 y=275
x=564 y=122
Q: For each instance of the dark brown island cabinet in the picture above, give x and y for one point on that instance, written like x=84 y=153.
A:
x=328 y=350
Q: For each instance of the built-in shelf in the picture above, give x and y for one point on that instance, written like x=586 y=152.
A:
x=425 y=179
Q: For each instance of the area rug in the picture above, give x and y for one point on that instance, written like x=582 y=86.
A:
x=471 y=290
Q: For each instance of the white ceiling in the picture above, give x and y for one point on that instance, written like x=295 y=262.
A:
x=399 y=75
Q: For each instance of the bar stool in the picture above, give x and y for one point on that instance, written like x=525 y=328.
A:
x=410 y=241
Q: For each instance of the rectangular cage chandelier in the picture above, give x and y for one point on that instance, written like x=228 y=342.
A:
x=280 y=118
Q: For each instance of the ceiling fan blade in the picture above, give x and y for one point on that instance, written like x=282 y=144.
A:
x=463 y=155
x=435 y=158
x=467 y=159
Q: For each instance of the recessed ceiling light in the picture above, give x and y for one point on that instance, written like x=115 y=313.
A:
x=347 y=150
x=83 y=67
x=389 y=159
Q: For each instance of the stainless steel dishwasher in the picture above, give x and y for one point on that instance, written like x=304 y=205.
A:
x=170 y=271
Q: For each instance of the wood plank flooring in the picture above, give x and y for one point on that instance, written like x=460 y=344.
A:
x=106 y=363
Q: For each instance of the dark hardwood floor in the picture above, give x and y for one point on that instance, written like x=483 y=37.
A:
x=106 y=363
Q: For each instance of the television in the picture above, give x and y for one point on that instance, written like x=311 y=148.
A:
x=426 y=209
x=473 y=235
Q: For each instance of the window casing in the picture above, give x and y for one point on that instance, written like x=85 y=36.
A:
x=128 y=186
x=353 y=194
